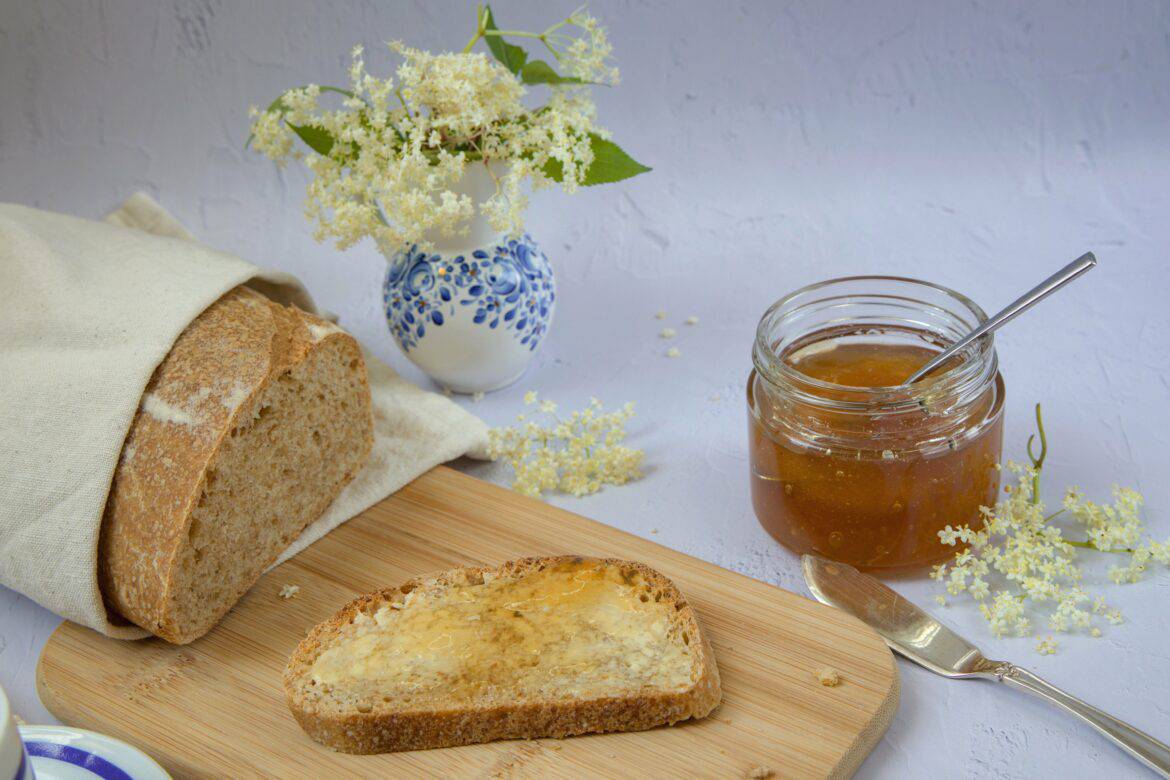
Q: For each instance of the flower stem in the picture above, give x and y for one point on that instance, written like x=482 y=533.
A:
x=1038 y=462
x=516 y=33
x=1086 y=545
x=480 y=24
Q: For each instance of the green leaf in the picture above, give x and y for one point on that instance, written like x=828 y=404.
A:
x=540 y=72
x=279 y=106
x=511 y=57
x=610 y=164
x=316 y=138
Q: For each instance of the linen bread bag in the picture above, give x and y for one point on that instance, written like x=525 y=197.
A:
x=172 y=417
x=253 y=423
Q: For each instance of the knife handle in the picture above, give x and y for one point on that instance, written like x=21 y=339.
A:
x=1138 y=744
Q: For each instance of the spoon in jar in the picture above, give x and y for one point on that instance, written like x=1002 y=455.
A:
x=1010 y=312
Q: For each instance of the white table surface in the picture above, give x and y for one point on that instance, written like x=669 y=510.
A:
x=979 y=146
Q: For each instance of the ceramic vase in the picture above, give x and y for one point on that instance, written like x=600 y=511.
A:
x=472 y=310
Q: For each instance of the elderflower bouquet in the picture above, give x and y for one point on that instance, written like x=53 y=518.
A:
x=385 y=164
x=1020 y=559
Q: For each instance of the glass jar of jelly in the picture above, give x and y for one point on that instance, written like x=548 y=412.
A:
x=845 y=462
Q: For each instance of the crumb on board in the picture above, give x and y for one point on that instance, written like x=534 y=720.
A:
x=667 y=333
x=477 y=396
x=659 y=315
x=288 y=591
x=828 y=676
x=761 y=773
x=653 y=530
x=692 y=320
x=673 y=352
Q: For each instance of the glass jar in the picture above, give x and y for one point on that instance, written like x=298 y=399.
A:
x=847 y=464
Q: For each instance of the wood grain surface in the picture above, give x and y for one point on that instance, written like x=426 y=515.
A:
x=216 y=708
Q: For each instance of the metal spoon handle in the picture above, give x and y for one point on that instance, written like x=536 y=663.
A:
x=1138 y=744
x=1025 y=301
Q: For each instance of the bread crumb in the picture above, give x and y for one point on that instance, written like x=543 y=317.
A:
x=653 y=530
x=667 y=333
x=660 y=315
x=288 y=591
x=673 y=352
x=477 y=396
x=761 y=773
x=692 y=320
x=828 y=677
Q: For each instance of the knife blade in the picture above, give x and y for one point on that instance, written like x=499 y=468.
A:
x=913 y=633
x=907 y=629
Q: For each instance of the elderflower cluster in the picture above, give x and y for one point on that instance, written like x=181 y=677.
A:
x=576 y=455
x=1021 y=559
x=388 y=161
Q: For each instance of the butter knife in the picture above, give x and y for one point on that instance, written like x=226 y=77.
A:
x=912 y=633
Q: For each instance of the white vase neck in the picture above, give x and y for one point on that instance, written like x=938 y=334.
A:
x=477 y=183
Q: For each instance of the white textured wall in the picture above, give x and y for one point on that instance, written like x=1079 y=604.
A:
x=976 y=144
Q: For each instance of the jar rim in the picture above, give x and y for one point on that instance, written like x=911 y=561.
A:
x=958 y=380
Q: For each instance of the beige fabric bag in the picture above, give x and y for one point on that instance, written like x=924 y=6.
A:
x=87 y=311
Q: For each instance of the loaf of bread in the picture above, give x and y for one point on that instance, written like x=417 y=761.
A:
x=541 y=647
x=250 y=427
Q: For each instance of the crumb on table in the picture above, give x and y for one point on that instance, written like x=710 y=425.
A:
x=288 y=591
x=761 y=773
x=828 y=676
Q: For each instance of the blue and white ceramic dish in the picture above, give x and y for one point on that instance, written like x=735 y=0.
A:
x=14 y=762
x=60 y=753
x=470 y=319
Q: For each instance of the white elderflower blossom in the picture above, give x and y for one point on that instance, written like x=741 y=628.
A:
x=1033 y=565
x=576 y=455
x=386 y=163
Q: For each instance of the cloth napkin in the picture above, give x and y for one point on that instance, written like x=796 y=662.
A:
x=87 y=312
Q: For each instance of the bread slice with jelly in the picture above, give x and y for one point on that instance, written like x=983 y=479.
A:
x=540 y=647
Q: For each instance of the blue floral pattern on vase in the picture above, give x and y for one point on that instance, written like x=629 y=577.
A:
x=507 y=285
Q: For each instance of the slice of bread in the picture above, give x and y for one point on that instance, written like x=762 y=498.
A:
x=540 y=647
x=249 y=428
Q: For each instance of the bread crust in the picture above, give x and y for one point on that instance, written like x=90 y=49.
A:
x=208 y=385
x=375 y=732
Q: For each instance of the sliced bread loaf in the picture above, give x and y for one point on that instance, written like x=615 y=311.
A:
x=249 y=428
x=540 y=647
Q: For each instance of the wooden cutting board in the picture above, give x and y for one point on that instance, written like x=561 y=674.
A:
x=216 y=707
